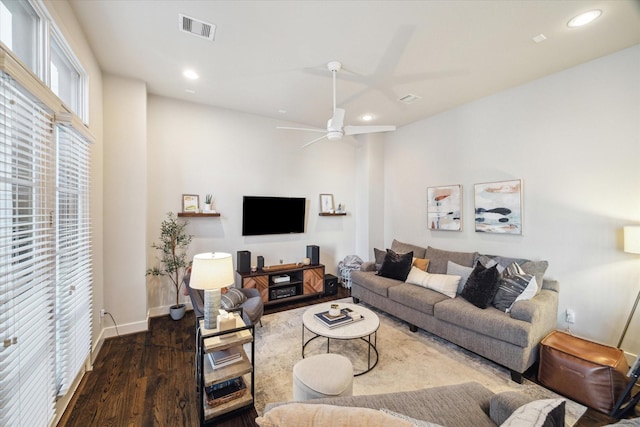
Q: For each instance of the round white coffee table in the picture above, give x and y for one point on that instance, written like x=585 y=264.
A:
x=365 y=329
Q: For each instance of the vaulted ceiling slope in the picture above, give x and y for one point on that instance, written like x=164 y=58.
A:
x=269 y=57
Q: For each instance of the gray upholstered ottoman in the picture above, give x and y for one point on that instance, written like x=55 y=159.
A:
x=322 y=375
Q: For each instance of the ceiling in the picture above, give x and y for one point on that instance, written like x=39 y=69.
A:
x=269 y=57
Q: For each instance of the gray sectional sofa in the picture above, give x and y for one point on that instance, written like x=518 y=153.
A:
x=509 y=339
x=459 y=405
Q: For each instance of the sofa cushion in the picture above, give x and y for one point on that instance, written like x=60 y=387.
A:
x=490 y=321
x=309 y=414
x=443 y=283
x=374 y=283
x=511 y=285
x=481 y=286
x=395 y=265
x=414 y=422
x=459 y=270
x=403 y=248
x=416 y=297
x=539 y=413
x=439 y=258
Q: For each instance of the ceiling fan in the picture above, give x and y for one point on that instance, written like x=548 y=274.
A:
x=335 y=126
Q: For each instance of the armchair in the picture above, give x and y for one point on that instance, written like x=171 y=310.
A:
x=252 y=307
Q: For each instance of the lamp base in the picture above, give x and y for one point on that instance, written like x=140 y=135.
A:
x=211 y=308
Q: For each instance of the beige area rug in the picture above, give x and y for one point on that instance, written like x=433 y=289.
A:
x=408 y=361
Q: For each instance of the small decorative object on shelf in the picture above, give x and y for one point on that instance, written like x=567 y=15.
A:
x=326 y=203
x=208 y=206
x=190 y=203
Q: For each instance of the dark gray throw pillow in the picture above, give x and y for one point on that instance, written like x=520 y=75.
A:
x=396 y=266
x=481 y=286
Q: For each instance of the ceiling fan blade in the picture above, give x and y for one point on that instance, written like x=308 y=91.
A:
x=358 y=130
x=306 y=129
x=335 y=123
x=315 y=140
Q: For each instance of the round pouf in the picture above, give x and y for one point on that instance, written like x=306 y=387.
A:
x=322 y=375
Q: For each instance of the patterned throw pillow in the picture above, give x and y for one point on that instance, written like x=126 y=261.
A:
x=396 y=266
x=539 y=413
x=232 y=299
x=482 y=285
x=511 y=285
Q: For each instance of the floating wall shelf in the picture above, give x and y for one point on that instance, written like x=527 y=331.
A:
x=197 y=215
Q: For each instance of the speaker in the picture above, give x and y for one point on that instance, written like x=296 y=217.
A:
x=260 y=262
x=330 y=284
x=313 y=253
x=244 y=261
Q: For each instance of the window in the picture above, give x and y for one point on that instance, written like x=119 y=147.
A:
x=45 y=228
x=20 y=31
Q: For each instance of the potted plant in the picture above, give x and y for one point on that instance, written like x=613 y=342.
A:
x=207 y=202
x=173 y=245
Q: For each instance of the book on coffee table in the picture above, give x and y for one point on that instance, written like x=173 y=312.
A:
x=334 y=321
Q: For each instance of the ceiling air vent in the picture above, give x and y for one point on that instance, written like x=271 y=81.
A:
x=408 y=99
x=196 y=27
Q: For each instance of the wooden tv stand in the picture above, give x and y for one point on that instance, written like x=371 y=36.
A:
x=304 y=281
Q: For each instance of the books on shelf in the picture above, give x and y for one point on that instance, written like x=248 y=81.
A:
x=225 y=357
x=346 y=316
x=225 y=391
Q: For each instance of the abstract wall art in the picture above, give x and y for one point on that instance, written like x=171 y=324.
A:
x=444 y=208
x=498 y=207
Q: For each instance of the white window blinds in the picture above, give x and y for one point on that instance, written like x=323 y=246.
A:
x=73 y=256
x=27 y=261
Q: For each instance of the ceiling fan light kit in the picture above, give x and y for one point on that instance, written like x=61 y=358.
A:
x=335 y=125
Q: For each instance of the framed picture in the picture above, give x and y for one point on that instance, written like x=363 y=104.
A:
x=190 y=203
x=498 y=207
x=326 y=203
x=444 y=208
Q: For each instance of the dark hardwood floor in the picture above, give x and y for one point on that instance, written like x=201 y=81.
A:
x=147 y=379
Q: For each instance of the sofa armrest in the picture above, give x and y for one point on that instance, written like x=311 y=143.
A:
x=502 y=405
x=541 y=308
x=368 y=266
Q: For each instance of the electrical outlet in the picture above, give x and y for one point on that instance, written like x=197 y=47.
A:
x=570 y=316
x=101 y=313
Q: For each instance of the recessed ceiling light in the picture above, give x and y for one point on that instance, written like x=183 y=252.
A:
x=190 y=74
x=584 y=18
x=366 y=117
x=539 y=38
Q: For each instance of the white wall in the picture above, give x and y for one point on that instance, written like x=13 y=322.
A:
x=125 y=207
x=574 y=140
x=196 y=149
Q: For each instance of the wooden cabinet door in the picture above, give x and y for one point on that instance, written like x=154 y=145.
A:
x=261 y=283
x=313 y=280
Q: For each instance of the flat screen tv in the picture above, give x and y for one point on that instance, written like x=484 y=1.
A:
x=272 y=215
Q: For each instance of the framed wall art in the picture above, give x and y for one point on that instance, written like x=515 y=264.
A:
x=444 y=208
x=498 y=207
x=326 y=203
x=190 y=203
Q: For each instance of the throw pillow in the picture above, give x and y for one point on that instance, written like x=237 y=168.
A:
x=442 y=283
x=459 y=270
x=318 y=414
x=512 y=283
x=378 y=255
x=482 y=285
x=396 y=266
x=416 y=422
x=421 y=263
x=232 y=299
x=539 y=413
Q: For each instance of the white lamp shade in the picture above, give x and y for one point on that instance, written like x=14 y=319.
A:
x=212 y=270
x=632 y=239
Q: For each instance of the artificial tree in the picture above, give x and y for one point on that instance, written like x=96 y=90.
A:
x=173 y=245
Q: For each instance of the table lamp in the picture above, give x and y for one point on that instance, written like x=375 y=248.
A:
x=632 y=246
x=211 y=272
